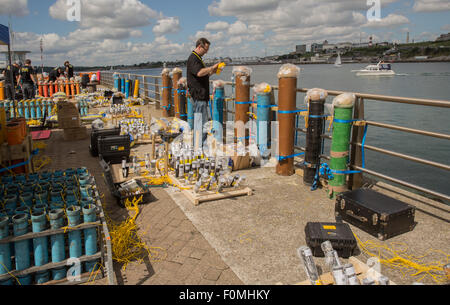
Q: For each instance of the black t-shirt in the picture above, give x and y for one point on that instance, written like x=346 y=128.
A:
x=54 y=74
x=69 y=69
x=8 y=76
x=198 y=86
x=26 y=72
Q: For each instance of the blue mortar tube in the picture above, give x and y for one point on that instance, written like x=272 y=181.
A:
x=22 y=248
x=116 y=82
x=71 y=197
x=58 y=174
x=27 y=187
x=49 y=108
x=70 y=172
x=57 y=243
x=20 y=108
x=123 y=85
x=41 y=197
x=26 y=110
x=217 y=113
x=127 y=88
x=26 y=199
x=22 y=210
x=45 y=175
x=11 y=109
x=40 y=208
x=263 y=122
x=75 y=246
x=7 y=179
x=190 y=112
x=11 y=202
x=22 y=178
x=87 y=201
x=32 y=110
x=33 y=178
x=5 y=250
x=38 y=110
x=82 y=170
x=40 y=249
x=90 y=236
x=84 y=180
x=85 y=191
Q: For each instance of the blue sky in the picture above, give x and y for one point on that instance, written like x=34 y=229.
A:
x=133 y=31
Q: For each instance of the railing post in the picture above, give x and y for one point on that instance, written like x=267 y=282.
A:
x=167 y=89
x=356 y=180
x=287 y=96
x=176 y=75
x=242 y=103
x=157 y=95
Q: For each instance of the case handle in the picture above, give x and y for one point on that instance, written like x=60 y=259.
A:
x=360 y=218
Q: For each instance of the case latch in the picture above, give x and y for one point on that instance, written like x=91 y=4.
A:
x=360 y=218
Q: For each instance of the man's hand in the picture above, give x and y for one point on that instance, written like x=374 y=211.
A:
x=214 y=68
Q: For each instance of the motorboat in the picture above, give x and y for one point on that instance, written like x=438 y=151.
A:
x=380 y=69
x=338 y=62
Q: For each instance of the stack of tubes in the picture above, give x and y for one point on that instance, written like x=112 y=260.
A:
x=44 y=201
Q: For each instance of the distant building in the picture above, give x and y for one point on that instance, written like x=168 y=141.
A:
x=344 y=45
x=15 y=56
x=300 y=49
x=316 y=47
x=328 y=46
x=361 y=45
x=443 y=37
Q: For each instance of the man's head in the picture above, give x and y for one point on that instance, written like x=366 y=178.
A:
x=66 y=63
x=202 y=46
x=16 y=64
x=28 y=62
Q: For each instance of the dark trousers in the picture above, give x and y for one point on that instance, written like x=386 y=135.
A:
x=9 y=91
x=28 y=91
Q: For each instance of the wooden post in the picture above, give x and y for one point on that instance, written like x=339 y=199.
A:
x=153 y=146
x=144 y=93
x=356 y=180
x=176 y=101
x=287 y=95
x=242 y=106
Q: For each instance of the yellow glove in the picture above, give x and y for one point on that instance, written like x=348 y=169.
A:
x=220 y=68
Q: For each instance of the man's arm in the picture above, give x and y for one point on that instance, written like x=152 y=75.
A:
x=208 y=71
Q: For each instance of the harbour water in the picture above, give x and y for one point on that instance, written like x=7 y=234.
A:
x=418 y=80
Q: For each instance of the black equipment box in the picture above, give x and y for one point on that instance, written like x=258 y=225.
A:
x=114 y=148
x=147 y=195
x=377 y=214
x=339 y=234
x=96 y=133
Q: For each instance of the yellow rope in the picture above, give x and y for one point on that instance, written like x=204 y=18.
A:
x=407 y=264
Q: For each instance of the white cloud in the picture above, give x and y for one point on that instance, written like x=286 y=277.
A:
x=389 y=21
x=217 y=26
x=14 y=7
x=445 y=28
x=167 y=25
x=236 y=7
x=431 y=5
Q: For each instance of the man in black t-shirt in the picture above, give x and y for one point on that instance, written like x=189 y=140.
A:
x=28 y=80
x=10 y=87
x=69 y=69
x=198 y=85
x=55 y=74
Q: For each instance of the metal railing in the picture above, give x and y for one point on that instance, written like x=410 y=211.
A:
x=355 y=180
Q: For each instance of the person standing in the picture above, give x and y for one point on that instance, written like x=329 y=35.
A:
x=55 y=74
x=69 y=70
x=198 y=84
x=10 y=86
x=28 y=80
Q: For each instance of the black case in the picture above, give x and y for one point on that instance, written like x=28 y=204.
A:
x=114 y=148
x=96 y=133
x=375 y=213
x=339 y=234
x=113 y=188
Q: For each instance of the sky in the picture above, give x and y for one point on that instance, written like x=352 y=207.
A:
x=116 y=32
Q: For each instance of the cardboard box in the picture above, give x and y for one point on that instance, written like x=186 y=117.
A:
x=68 y=115
x=75 y=134
x=241 y=162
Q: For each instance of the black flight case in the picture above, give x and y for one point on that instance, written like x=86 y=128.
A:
x=114 y=148
x=96 y=133
x=375 y=213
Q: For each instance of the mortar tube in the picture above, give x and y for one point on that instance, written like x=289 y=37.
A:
x=116 y=82
x=217 y=113
x=340 y=146
x=32 y=109
x=287 y=95
x=11 y=202
x=40 y=248
x=127 y=88
x=122 y=85
x=75 y=246
x=313 y=140
x=26 y=110
x=190 y=112
x=22 y=248
x=57 y=243
x=26 y=199
x=38 y=110
x=5 y=250
x=241 y=110
x=90 y=236
x=263 y=122
x=166 y=96
x=176 y=95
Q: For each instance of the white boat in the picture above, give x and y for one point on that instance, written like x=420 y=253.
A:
x=338 y=62
x=380 y=69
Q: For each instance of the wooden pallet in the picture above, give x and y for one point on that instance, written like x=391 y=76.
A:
x=361 y=271
x=204 y=196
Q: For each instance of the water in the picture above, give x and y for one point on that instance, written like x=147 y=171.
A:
x=419 y=80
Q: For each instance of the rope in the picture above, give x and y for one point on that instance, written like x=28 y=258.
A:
x=281 y=158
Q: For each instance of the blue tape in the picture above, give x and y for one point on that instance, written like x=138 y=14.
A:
x=318 y=116
x=292 y=111
x=281 y=158
x=33 y=153
x=243 y=103
x=266 y=106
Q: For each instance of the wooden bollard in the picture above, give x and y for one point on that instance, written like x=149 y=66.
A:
x=242 y=103
x=176 y=75
x=166 y=96
x=287 y=97
x=50 y=86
